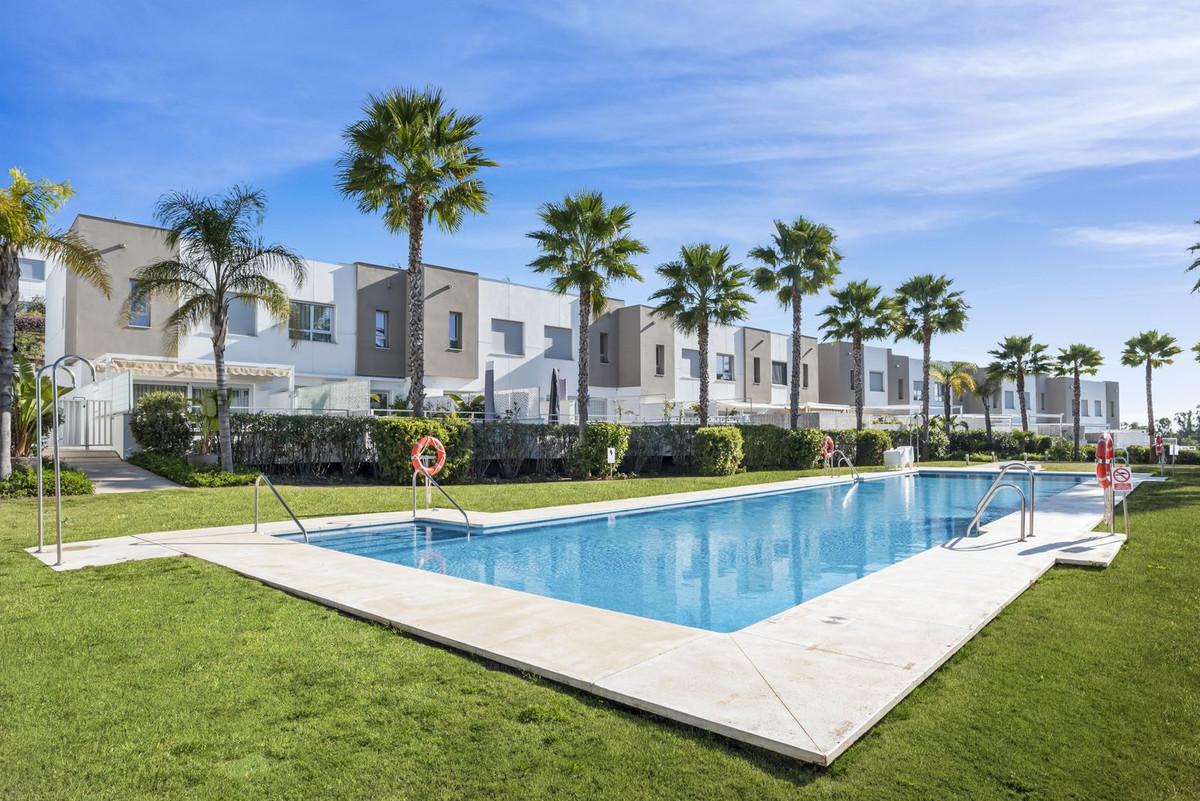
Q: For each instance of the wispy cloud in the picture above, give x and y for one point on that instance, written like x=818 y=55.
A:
x=1172 y=240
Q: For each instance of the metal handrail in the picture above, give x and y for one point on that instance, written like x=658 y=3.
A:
x=987 y=498
x=257 y=482
x=1032 y=488
x=61 y=361
x=429 y=479
x=835 y=462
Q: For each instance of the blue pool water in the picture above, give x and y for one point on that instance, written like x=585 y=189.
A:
x=719 y=565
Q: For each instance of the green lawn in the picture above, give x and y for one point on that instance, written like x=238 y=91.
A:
x=173 y=678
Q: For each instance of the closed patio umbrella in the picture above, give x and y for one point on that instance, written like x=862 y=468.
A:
x=554 y=395
x=489 y=392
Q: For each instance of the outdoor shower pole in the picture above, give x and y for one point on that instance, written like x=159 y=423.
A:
x=57 y=462
x=37 y=395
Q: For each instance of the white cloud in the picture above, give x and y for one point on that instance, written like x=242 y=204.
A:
x=1172 y=240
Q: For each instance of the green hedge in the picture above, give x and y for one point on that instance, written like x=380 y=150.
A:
x=22 y=483
x=766 y=447
x=591 y=456
x=872 y=442
x=395 y=436
x=303 y=445
x=162 y=424
x=804 y=448
x=718 y=450
x=181 y=471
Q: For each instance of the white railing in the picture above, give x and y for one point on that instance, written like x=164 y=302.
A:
x=86 y=424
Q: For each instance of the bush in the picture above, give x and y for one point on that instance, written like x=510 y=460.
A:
x=647 y=448
x=161 y=423
x=845 y=441
x=1061 y=449
x=872 y=442
x=718 y=450
x=22 y=483
x=765 y=446
x=939 y=444
x=972 y=441
x=591 y=457
x=804 y=448
x=293 y=444
x=181 y=471
x=395 y=436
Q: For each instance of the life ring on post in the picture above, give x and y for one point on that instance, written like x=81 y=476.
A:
x=418 y=450
x=1158 y=445
x=827 y=448
x=1104 y=455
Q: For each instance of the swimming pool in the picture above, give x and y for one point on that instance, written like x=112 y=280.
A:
x=718 y=565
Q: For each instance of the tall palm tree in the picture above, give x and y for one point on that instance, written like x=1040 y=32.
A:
x=218 y=258
x=859 y=313
x=25 y=210
x=801 y=260
x=415 y=160
x=928 y=306
x=702 y=288
x=585 y=244
x=1195 y=265
x=1153 y=350
x=987 y=384
x=1016 y=357
x=1076 y=361
x=957 y=379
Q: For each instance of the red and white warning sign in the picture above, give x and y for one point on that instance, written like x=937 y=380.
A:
x=1122 y=479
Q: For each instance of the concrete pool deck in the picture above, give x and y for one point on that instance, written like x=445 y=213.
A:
x=806 y=682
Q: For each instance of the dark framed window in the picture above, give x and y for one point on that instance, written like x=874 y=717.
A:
x=455 y=329
x=779 y=373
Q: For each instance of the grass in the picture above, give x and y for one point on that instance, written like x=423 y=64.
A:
x=177 y=679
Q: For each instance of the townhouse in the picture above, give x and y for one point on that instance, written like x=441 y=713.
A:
x=344 y=350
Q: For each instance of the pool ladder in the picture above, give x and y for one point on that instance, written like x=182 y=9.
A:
x=430 y=482
x=257 y=483
x=1027 y=503
x=839 y=458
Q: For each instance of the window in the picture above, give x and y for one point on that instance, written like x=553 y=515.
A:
x=1042 y=400
x=918 y=390
x=311 y=322
x=779 y=372
x=381 y=329
x=899 y=389
x=243 y=317
x=32 y=269
x=1112 y=409
x=455 y=329
x=1010 y=399
x=380 y=398
x=724 y=367
x=1083 y=408
x=558 y=343
x=139 y=310
x=692 y=357
x=239 y=397
x=757 y=370
x=804 y=376
x=603 y=348
x=660 y=359
x=875 y=379
x=1098 y=408
x=1028 y=401
x=508 y=337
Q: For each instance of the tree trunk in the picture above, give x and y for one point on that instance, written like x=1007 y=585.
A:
x=416 y=308
x=797 y=361
x=1021 y=400
x=926 y=347
x=10 y=296
x=1075 y=390
x=946 y=407
x=1149 y=397
x=703 y=337
x=987 y=422
x=857 y=382
x=220 y=324
x=585 y=321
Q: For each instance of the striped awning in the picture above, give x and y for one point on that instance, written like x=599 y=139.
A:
x=172 y=368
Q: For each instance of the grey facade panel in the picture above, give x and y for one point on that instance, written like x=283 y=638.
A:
x=381 y=289
x=757 y=345
x=448 y=290
x=600 y=373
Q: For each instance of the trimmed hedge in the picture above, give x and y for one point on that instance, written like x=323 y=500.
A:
x=766 y=447
x=872 y=442
x=303 y=445
x=718 y=450
x=181 y=471
x=162 y=424
x=22 y=483
x=804 y=446
x=591 y=455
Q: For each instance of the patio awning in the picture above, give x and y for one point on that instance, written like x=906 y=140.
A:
x=170 y=368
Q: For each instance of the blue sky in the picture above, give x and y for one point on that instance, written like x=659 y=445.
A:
x=1045 y=155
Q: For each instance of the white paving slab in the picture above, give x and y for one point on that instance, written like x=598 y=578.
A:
x=806 y=682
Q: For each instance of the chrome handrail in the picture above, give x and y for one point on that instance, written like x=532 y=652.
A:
x=987 y=498
x=1032 y=488
x=429 y=479
x=835 y=462
x=257 y=482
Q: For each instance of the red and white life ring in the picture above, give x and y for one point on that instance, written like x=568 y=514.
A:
x=1104 y=455
x=827 y=448
x=1158 y=445
x=418 y=450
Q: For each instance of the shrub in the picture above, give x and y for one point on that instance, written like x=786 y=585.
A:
x=939 y=444
x=845 y=441
x=1061 y=449
x=872 y=442
x=161 y=423
x=395 y=436
x=22 y=483
x=765 y=446
x=981 y=456
x=972 y=441
x=647 y=448
x=804 y=448
x=591 y=457
x=181 y=471
x=718 y=450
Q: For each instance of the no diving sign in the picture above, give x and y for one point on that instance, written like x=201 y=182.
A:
x=1122 y=479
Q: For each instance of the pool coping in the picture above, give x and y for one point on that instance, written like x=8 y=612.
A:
x=806 y=682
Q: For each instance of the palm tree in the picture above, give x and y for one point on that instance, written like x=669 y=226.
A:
x=957 y=379
x=1195 y=266
x=1077 y=360
x=702 y=288
x=25 y=210
x=801 y=260
x=987 y=384
x=1153 y=350
x=219 y=258
x=585 y=244
x=1015 y=358
x=928 y=306
x=415 y=160
x=859 y=314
